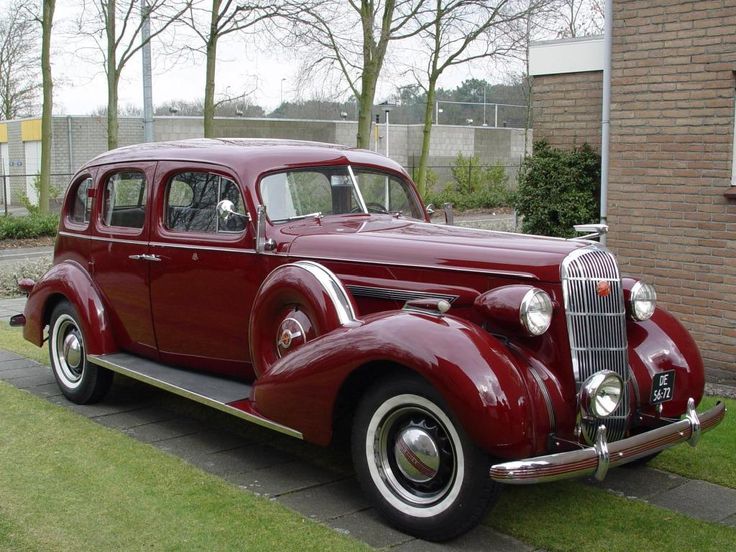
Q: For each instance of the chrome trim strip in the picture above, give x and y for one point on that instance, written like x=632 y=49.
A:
x=333 y=287
x=203 y=247
x=588 y=461
x=357 y=190
x=401 y=295
x=547 y=400
x=101 y=238
x=100 y=360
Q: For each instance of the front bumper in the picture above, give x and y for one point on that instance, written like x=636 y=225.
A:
x=596 y=460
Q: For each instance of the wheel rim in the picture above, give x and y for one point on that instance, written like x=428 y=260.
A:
x=414 y=455
x=67 y=351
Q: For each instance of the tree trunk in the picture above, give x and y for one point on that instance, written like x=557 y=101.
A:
x=426 y=136
x=365 y=106
x=48 y=91
x=113 y=77
x=209 y=88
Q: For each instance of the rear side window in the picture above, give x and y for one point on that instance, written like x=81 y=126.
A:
x=81 y=203
x=124 y=200
x=191 y=203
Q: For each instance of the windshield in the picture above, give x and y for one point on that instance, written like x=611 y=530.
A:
x=301 y=193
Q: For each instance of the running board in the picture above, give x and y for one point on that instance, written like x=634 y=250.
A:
x=226 y=395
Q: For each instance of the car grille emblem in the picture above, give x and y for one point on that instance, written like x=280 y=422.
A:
x=603 y=288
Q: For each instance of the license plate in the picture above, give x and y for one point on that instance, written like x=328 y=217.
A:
x=663 y=387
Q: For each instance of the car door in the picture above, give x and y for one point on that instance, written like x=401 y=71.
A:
x=204 y=286
x=119 y=259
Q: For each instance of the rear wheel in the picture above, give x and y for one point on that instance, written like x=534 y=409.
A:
x=79 y=380
x=415 y=462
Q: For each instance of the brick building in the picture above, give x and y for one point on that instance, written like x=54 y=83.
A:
x=672 y=181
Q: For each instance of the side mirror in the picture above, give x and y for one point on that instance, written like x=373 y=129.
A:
x=226 y=209
x=429 y=209
x=262 y=244
x=449 y=215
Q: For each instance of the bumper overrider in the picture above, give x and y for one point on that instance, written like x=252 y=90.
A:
x=596 y=460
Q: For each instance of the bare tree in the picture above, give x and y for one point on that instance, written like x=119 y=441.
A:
x=19 y=83
x=212 y=20
x=462 y=31
x=576 y=18
x=115 y=26
x=47 y=20
x=352 y=37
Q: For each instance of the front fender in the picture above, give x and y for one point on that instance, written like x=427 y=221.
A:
x=71 y=281
x=482 y=384
x=659 y=344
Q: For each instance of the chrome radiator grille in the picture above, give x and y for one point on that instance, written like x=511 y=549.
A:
x=596 y=324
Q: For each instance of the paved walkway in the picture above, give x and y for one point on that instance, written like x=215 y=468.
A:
x=316 y=482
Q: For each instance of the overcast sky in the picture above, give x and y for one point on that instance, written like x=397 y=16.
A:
x=81 y=86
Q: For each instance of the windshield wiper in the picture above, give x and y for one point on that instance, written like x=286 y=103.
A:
x=317 y=215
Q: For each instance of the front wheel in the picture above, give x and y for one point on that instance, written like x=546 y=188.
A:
x=79 y=380
x=415 y=462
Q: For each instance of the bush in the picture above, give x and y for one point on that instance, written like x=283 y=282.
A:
x=31 y=226
x=558 y=189
x=475 y=186
x=9 y=275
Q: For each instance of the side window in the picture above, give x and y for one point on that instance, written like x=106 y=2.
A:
x=124 y=200
x=191 y=203
x=81 y=204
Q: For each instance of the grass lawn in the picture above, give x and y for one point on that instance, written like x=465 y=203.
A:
x=142 y=496
x=714 y=459
x=67 y=483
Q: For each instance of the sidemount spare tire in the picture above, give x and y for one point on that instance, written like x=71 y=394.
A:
x=296 y=303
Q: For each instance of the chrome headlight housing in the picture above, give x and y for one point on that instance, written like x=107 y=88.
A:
x=535 y=312
x=643 y=301
x=601 y=394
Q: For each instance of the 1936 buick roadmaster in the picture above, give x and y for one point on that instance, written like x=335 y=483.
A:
x=300 y=286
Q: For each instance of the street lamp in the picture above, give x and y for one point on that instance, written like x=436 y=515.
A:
x=386 y=107
x=282 y=90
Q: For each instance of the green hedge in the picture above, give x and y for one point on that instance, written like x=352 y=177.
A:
x=31 y=226
x=474 y=186
x=558 y=189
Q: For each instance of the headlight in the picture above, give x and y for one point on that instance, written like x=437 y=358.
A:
x=601 y=393
x=536 y=311
x=643 y=301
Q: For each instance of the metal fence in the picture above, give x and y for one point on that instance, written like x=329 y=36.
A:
x=18 y=190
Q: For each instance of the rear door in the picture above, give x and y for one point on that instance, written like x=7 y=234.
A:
x=119 y=256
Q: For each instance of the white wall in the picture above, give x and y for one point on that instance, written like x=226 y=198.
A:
x=33 y=168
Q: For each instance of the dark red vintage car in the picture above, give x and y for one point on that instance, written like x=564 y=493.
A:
x=301 y=287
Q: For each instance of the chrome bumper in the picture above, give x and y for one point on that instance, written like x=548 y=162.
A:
x=597 y=459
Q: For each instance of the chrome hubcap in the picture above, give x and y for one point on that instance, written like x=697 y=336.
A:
x=72 y=351
x=417 y=455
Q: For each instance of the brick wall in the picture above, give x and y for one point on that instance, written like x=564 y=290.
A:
x=671 y=139
x=567 y=109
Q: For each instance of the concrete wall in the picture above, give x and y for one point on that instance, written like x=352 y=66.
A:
x=503 y=146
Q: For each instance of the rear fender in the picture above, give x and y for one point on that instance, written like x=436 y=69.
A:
x=70 y=281
x=481 y=383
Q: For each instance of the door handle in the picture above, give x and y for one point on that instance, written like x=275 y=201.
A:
x=145 y=257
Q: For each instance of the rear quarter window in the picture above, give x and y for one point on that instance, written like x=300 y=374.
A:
x=81 y=204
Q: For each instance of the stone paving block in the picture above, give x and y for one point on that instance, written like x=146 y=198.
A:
x=699 y=499
x=46 y=391
x=11 y=365
x=731 y=520
x=283 y=478
x=135 y=418
x=166 y=429
x=231 y=463
x=24 y=372
x=480 y=539
x=206 y=442
x=103 y=408
x=368 y=527
x=7 y=357
x=638 y=482
x=327 y=501
x=28 y=382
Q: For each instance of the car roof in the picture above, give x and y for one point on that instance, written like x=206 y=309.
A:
x=249 y=155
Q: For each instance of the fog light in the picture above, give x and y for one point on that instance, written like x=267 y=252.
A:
x=601 y=394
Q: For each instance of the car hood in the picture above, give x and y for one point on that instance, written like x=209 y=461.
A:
x=398 y=242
